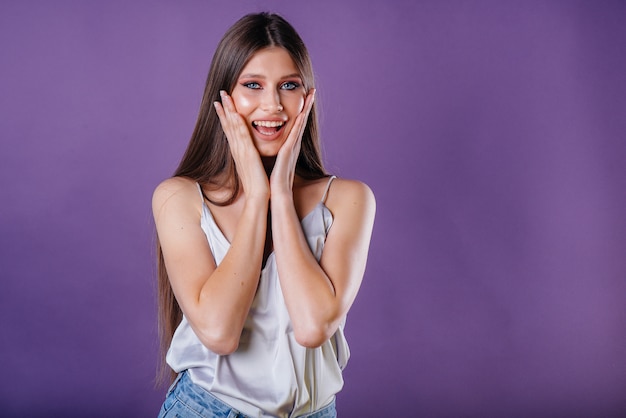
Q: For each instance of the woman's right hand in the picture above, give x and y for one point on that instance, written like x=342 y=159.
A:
x=247 y=159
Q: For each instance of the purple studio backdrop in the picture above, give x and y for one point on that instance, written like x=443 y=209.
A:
x=492 y=133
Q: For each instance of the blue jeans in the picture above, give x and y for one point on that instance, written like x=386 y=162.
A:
x=186 y=399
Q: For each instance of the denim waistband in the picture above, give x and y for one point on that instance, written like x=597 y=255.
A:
x=199 y=400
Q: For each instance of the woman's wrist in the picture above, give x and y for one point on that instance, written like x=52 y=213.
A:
x=279 y=198
x=282 y=205
x=257 y=203
x=259 y=194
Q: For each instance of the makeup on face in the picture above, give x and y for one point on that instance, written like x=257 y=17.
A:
x=269 y=95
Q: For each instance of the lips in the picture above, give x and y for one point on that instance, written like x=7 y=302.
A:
x=268 y=127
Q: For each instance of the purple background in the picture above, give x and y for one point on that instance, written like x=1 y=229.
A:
x=492 y=132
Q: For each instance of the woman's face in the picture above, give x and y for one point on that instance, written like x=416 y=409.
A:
x=269 y=94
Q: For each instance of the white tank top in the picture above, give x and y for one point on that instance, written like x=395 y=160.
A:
x=270 y=374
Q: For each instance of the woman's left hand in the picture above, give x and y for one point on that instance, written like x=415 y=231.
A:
x=283 y=173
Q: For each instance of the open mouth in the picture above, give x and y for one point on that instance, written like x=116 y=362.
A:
x=268 y=127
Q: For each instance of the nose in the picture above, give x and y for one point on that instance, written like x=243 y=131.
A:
x=271 y=102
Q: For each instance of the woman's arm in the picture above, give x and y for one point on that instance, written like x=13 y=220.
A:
x=319 y=295
x=215 y=300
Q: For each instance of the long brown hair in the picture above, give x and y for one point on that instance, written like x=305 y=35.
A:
x=207 y=159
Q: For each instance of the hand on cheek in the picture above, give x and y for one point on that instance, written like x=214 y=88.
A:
x=243 y=151
x=285 y=168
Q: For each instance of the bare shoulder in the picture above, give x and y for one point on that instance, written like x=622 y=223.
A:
x=175 y=192
x=353 y=208
x=347 y=195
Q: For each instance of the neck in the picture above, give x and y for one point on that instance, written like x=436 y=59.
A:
x=268 y=163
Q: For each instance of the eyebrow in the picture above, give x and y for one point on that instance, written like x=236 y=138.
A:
x=294 y=75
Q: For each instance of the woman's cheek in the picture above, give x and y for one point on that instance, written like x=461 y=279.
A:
x=243 y=103
x=299 y=103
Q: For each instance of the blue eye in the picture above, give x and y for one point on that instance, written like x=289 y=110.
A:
x=252 y=85
x=289 y=85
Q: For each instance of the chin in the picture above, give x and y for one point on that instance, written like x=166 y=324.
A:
x=269 y=149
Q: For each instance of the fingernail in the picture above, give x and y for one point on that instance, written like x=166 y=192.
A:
x=215 y=105
x=222 y=93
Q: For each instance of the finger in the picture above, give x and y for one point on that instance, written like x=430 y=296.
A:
x=227 y=109
x=306 y=111
x=310 y=98
x=225 y=120
x=220 y=111
x=236 y=121
x=227 y=102
x=229 y=117
x=303 y=116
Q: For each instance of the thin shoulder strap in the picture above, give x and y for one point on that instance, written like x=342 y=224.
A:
x=330 y=180
x=202 y=195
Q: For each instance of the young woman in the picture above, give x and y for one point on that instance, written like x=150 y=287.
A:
x=261 y=252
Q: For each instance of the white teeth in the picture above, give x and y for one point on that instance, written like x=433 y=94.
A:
x=268 y=124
